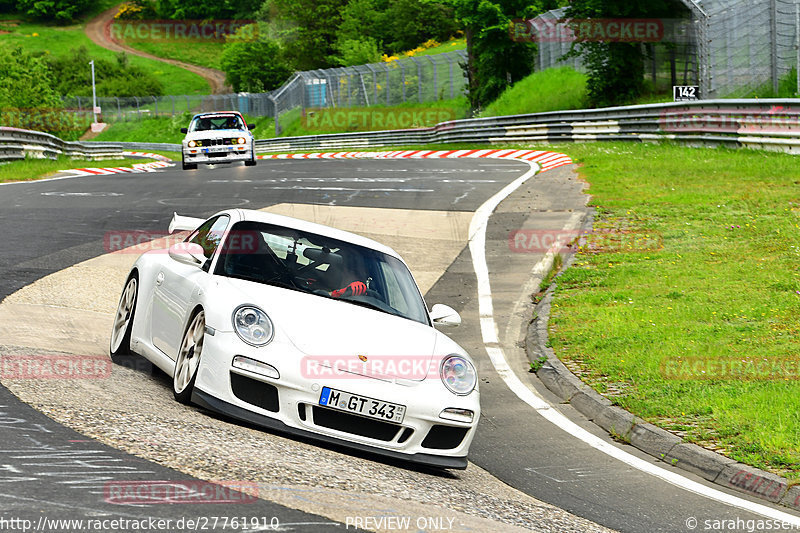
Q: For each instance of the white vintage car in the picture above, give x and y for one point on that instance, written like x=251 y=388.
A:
x=221 y=137
x=305 y=329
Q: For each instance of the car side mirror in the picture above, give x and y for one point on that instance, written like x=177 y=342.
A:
x=251 y=126
x=184 y=130
x=188 y=253
x=444 y=315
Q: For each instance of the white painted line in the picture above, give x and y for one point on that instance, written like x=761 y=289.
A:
x=477 y=248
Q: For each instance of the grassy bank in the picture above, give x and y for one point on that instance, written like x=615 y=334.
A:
x=31 y=169
x=715 y=285
x=59 y=40
x=548 y=90
x=293 y=123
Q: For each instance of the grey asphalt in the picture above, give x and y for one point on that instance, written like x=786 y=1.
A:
x=48 y=226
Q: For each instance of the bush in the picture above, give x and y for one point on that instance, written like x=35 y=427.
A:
x=73 y=76
x=61 y=11
x=357 y=51
x=25 y=81
x=253 y=65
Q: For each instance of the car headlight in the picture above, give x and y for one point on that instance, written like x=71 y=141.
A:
x=252 y=325
x=458 y=375
x=192 y=144
x=241 y=140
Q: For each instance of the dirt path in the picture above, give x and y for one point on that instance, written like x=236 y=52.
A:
x=97 y=31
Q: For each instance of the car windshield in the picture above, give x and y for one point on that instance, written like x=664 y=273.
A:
x=216 y=122
x=328 y=268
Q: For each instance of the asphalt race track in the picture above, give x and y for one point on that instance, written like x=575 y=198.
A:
x=130 y=429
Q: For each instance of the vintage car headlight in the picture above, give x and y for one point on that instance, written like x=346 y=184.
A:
x=191 y=144
x=241 y=140
x=458 y=375
x=252 y=325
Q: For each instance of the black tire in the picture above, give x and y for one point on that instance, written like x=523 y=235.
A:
x=120 y=343
x=252 y=161
x=187 y=166
x=188 y=361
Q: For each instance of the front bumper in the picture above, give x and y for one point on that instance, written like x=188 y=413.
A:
x=290 y=404
x=218 y=154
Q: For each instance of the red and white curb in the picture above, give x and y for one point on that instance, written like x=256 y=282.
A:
x=135 y=168
x=545 y=160
x=149 y=155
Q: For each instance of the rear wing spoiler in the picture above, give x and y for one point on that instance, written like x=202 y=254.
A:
x=182 y=223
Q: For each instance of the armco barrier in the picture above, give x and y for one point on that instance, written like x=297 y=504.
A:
x=17 y=144
x=770 y=124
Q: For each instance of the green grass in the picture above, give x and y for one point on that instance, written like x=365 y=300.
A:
x=167 y=129
x=31 y=169
x=157 y=130
x=450 y=46
x=718 y=280
x=548 y=90
x=203 y=52
x=58 y=40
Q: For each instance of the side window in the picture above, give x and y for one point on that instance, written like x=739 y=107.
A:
x=209 y=234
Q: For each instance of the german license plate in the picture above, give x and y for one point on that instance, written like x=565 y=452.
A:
x=361 y=405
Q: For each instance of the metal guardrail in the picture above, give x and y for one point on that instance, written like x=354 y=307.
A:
x=18 y=144
x=770 y=124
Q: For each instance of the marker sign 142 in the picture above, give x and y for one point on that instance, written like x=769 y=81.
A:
x=682 y=93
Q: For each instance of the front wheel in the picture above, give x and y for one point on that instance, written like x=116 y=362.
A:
x=252 y=161
x=189 y=359
x=187 y=166
x=123 y=319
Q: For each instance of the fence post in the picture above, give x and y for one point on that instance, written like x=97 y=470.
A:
x=388 y=96
x=773 y=44
x=452 y=81
x=155 y=103
x=173 y=105
x=119 y=111
x=435 y=91
x=403 y=79
x=138 y=111
x=419 y=78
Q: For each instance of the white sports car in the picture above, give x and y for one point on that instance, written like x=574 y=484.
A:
x=306 y=329
x=221 y=137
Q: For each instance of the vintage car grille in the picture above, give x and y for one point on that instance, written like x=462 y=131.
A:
x=357 y=425
x=255 y=392
x=217 y=142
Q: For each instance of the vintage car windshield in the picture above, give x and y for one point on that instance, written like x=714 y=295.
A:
x=216 y=122
x=329 y=268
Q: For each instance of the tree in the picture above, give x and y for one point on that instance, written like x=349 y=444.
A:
x=253 y=62
x=616 y=69
x=494 y=61
x=399 y=24
x=306 y=29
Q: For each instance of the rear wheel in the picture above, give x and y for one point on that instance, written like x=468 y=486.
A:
x=189 y=358
x=123 y=319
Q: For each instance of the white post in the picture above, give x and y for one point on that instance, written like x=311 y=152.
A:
x=797 y=43
x=94 y=95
